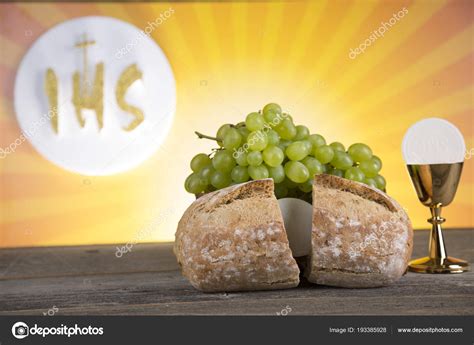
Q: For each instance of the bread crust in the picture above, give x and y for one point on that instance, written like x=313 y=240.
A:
x=234 y=239
x=360 y=237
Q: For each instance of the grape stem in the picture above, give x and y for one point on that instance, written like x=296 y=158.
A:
x=203 y=136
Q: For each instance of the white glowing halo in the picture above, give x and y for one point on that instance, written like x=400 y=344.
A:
x=86 y=150
x=433 y=141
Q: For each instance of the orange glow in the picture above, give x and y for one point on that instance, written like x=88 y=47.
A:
x=230 y=59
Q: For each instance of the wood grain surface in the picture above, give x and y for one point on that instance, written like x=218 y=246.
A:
x=89 y=280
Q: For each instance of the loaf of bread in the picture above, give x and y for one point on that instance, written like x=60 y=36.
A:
x=360 y=236
x=234 y=239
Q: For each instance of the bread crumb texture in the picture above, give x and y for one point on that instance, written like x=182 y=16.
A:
x=234 y=239
x=360 y=236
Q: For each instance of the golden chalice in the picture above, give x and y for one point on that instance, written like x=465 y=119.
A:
x=426 y=145
x=436 y=186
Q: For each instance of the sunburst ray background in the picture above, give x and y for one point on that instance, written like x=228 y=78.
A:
x=230 y=59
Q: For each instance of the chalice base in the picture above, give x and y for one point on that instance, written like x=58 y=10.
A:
x=438 y=265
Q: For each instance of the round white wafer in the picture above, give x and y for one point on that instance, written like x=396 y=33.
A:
x=433 y=141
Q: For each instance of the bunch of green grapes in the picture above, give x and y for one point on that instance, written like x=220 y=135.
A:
x=268 y=144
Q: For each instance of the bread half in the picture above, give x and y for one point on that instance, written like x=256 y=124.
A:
x=360 y=236
x=234 y=239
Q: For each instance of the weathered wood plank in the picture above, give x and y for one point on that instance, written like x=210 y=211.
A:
x=84 y=260
x=272 y=306
x=147 y=281
x=152 y=257
x=168 y=293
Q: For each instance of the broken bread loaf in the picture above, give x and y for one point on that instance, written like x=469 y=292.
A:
x=234 y=239
x=360 y=236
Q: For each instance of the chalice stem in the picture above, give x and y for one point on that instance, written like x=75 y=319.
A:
x=437 y=248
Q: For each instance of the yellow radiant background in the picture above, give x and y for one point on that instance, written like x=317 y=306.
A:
x=230 y=59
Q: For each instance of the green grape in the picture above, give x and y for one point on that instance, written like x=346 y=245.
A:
x=244 y=132
x=187 y=182
x=378 y=161
x=254 y=122
x=341 y=160
x=273 y=138
x=296 y=171
x=302 y=132
x=370 y=182
x=280 y=191
x=199 y=161
x=313 y=165
x=284 y=144
x=287 y=116
x=289 y=184
x=354 y=174
x=359 y=152
x=258 y=172
x=337 y=146
x=206 y=173
x=336 y=172
x=297 y=150
x=210 y=188
x=223 y=161
x=241 y=158
x=203 y=184
x=271 y=107
x=273 y=156
x=272 y=118
x=323 y=153
x=307 y=186
x=277 y=173
x=194 y=184
x=317 y=140
x=254 y=158
x=286 y=129
x=257 y=141
x=220 y=180
x=232 y=139
x=369 y=167
x=309 y=146
x=239 y=174
x=381 y=183
x=221 y=133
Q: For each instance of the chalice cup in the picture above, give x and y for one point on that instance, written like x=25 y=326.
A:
x=436 y=185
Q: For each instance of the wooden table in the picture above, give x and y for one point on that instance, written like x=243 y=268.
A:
x=89 y=280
